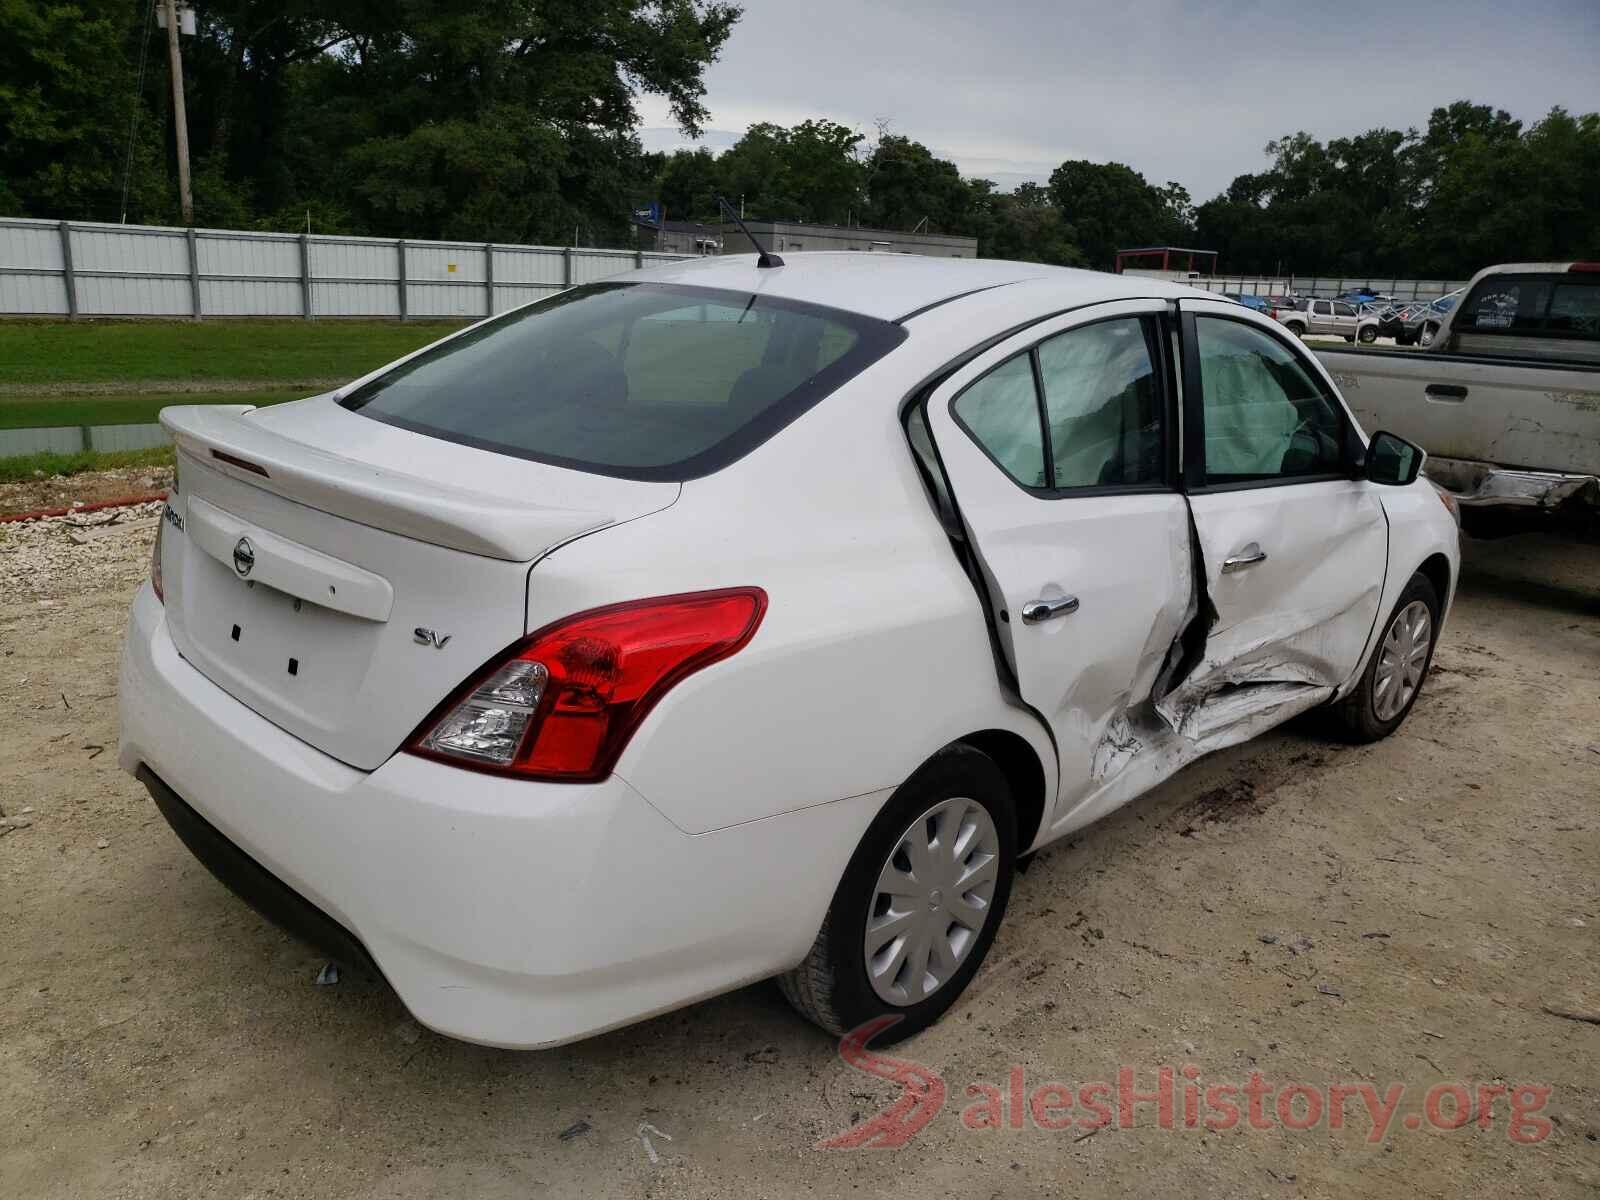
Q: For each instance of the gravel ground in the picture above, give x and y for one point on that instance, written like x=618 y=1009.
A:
x=1403 y=912
x=64 y=491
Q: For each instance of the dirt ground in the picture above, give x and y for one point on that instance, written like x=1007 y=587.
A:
x=1318 y=913
x=63 y=491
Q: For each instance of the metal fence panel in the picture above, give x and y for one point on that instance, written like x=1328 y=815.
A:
x=508 y=296
x=134 y=295
x=32 y=293
x=35 y=247
x=149 y=271
x=250 y=297
x=336 y=299
x=445 y=300
x=126 y=437
x=590 y=265
x=274 y=255
x=65 y=439
x=433 y=262
x=529 y=264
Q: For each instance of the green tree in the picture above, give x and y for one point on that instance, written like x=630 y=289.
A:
x=906 y=184
x=687 y=184
x=1112 y=207
x=66 y=96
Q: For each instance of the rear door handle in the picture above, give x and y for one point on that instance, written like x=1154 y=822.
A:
x=1445 y=391
x=1248 y=557
x=1035 y=611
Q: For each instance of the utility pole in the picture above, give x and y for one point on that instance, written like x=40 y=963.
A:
x=180 y=119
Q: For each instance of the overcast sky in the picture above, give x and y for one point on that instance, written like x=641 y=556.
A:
x=1189 y=91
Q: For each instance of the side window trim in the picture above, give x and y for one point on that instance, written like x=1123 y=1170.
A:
x=1194 y=433
x=1151 y=325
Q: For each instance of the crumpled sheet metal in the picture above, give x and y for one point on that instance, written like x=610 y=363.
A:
x=1484 y=485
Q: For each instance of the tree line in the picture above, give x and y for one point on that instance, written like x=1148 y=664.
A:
x=516 y=120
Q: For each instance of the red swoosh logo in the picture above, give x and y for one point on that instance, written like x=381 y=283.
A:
x=921 y=1096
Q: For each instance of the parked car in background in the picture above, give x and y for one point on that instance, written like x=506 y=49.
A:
x=1425 y=319
x=1360 y=296
x=1505 y=396
x=1321 y=317
x=1378 y=319
x=1256 y=303
x=719 y=621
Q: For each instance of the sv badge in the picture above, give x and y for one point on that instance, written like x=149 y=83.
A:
x=427 y=637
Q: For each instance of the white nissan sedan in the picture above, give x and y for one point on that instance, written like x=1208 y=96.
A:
x=725 y=621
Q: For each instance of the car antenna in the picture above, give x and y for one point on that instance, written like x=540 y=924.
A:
x=765 y=257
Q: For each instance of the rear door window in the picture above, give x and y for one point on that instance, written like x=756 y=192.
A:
x=644 y=381
x=1103 y=404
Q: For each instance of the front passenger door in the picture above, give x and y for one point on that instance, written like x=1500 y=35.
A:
x=1294 y=544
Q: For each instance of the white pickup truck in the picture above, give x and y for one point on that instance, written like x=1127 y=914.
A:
x=1506 y=399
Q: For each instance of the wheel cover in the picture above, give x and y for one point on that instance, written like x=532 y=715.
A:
x=932 y=900
x=1402 y=658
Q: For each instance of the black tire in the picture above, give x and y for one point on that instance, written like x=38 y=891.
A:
x=1429 y=332
x=1356 y=716
x=831 y=987
x=1295 y=328
x=1368 y=335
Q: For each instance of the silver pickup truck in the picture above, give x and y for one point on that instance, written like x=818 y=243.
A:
x=1506 y=399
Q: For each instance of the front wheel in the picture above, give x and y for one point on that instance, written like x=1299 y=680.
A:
x=1393 y=679
x=919 y=904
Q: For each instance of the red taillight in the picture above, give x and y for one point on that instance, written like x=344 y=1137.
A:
x=562 y=703
x=155 y=558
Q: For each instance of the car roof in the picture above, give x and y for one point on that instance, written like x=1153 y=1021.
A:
x=893 y=287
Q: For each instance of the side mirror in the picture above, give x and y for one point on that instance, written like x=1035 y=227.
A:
x=1392 y=460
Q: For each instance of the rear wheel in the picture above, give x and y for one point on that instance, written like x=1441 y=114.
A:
x=1393 y=679
x=1296 y=328
x=1426 y=336
x=1368 y=336
x=919 y=904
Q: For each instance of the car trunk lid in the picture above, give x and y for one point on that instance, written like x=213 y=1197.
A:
x=340 y=576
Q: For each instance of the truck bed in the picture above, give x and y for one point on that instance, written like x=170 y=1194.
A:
x=1515 y=413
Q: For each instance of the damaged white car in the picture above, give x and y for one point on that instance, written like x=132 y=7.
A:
x=734 y=620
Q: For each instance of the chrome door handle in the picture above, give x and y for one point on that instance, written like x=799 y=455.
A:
x=1248 y=557
x=1035 y=611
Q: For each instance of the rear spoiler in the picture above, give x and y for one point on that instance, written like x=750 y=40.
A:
x=219 y=437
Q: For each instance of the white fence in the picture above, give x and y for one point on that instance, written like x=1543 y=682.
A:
x=78 y=268
x=1310 y=285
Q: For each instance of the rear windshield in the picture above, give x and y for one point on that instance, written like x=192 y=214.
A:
x=640 y=380
x=1535 y=316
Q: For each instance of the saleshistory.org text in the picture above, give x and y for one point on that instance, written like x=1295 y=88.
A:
x=1178 y=1099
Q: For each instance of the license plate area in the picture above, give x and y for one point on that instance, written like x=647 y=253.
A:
x=274 y=650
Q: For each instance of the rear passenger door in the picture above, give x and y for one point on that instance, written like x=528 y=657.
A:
x=1294 y=543
x=1060 y=447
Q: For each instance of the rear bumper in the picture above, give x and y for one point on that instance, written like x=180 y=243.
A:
x=505 y=912
x=251 y=882
x=1484 y=485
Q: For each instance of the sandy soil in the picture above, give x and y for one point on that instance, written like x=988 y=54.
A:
x=158 y=1039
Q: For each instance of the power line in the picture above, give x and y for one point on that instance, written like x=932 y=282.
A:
x=138 y=103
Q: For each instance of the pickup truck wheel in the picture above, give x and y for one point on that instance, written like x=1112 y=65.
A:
x=1368 y=336
x=1296 y=328
x=919 y=904
x=1426 y=336
x=1393 y=679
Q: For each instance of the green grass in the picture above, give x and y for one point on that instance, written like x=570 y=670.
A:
x=57 y=354
x=29 y=412
x=24 y=467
